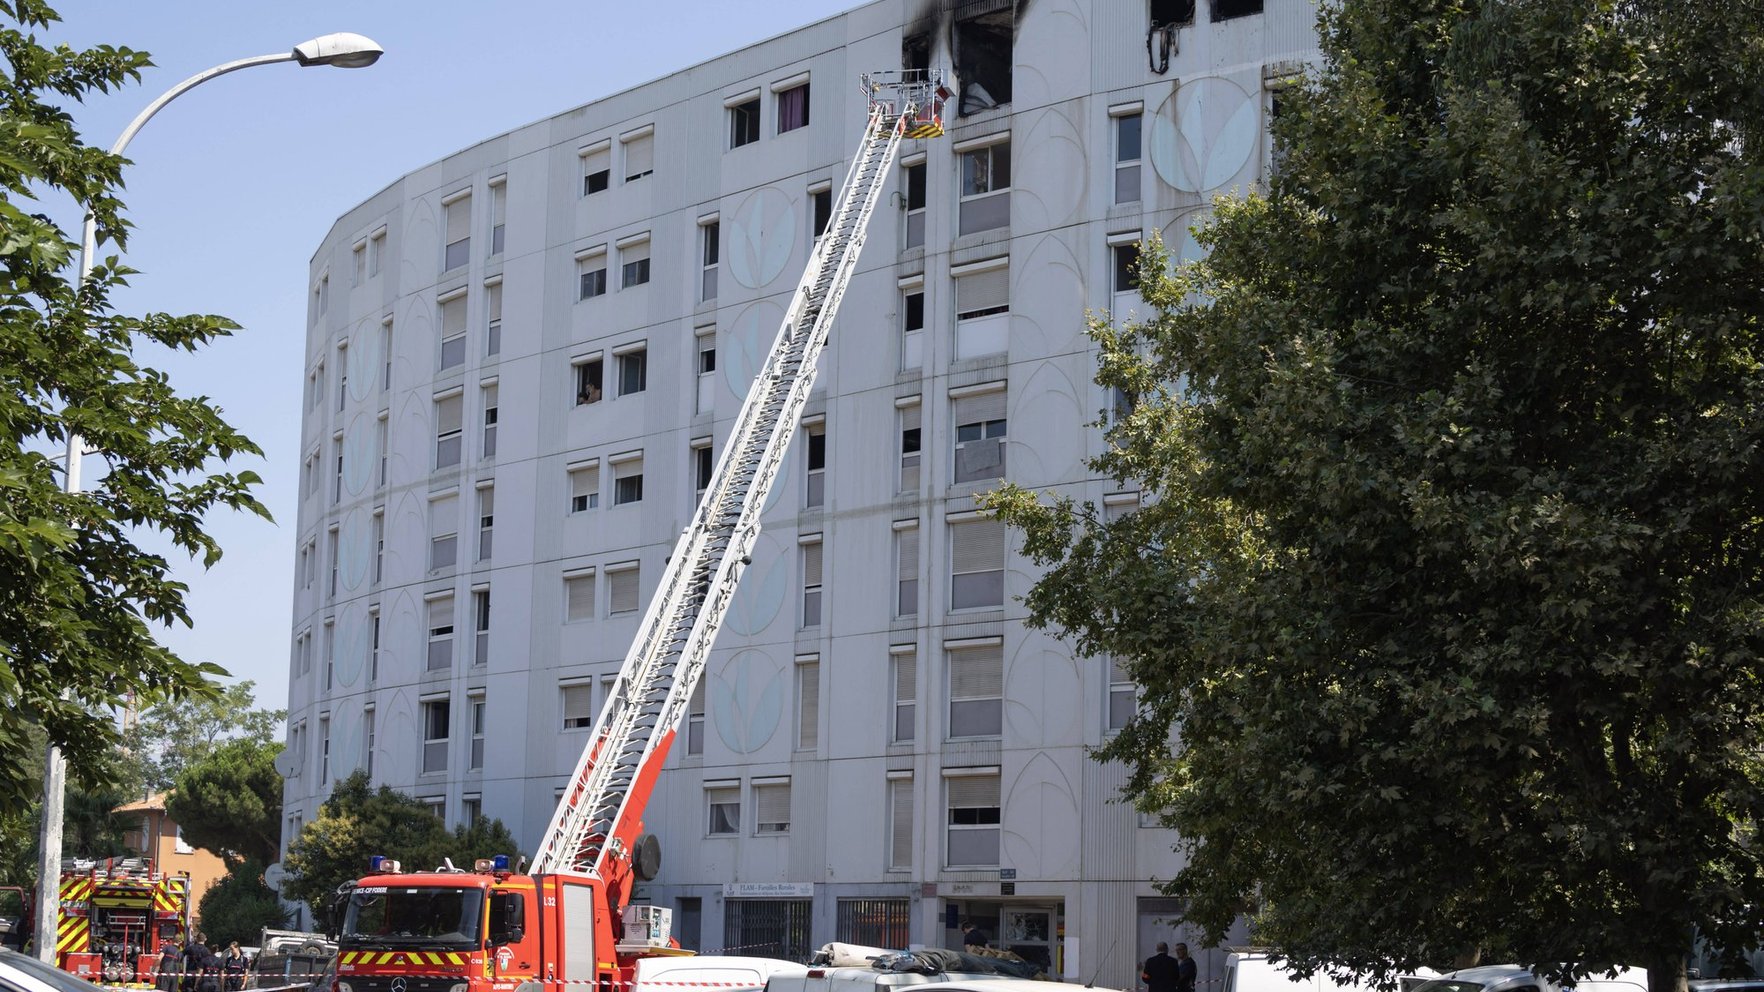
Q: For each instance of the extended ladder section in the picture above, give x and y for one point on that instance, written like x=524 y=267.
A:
x=601 y=809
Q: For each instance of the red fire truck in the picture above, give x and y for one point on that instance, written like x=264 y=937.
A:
x=116 y=915
x=567 y=921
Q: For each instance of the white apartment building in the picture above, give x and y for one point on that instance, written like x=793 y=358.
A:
x=523 y=359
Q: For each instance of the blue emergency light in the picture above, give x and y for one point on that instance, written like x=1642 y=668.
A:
x=500 y=861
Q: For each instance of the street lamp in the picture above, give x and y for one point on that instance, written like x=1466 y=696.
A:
x=344 y=50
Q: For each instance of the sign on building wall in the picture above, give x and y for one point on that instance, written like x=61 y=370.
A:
x=768 y=890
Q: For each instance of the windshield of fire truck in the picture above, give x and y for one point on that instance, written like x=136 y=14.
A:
x=423 y=916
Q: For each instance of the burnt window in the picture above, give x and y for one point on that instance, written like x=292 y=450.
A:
x=983 y=59
x=823 y=209
x=915 y=51
x=1173 y=12
x=1227 y=9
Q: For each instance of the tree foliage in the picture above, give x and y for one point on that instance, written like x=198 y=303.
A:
x=358 y=822
x=1449 y=585
x=239 y=906
x=80 y=592
x=172 y=736
x=230 y=802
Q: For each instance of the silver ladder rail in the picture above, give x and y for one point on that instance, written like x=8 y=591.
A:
x=668 y=656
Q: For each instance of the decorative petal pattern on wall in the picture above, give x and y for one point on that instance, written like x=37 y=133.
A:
x=760 y=597
x=355 y=549
x=762 y=236
x=746 y=701
x=1204 y=134
x=1041 y=820
x=1044 y=193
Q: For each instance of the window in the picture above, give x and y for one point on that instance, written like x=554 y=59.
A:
x=821 y=206
x=315 y=386
x=983 y=58
x=459 y=230
x=437 y=718
x=591 y=274
x=909 y=447
x=589 y=375
x=379 y=534
x=1226 y=9
x=628 y=480
x=811 y=581
x=986 y=185
x=331 y=589
x=912 y=326
x=596 y=168
x=330 y=653
x=297 y=746
x=376 y=252
x=498 y=212
x=793 y=108
x=771 y=806
x=443 y=532
x=578 y=706
x=475 y=760
x=342 y=377
x=490 y=418
x=367 y=740
x=634 y=263
x=374 y=646
x=383 y=427
x=1126 y=267
x=744 y=122
x=976 y=690
x=695 y=719
x=579 y=595
x=337 y=472
x=486 y=521
x=323 y=294
x=724 y=803
x=808 y=703
x=703 y=466
x=904 y=658
x=900 y=821
x=906 y=568
x=1127 y=142
x=440 y=633
x=707 y=369
x=710 y=251
x=309 y=472
x=584 y=487
x=308 y=562
x=358 y=263
x=639 y=153
x=1123 y=695
x=973 y=818
x=386 y=350
x=303 y=652
x=980 y=435
x=621 y=583
x=493 y=319
x=983 y=303
x=449 y=411
x=976 y=563
x=915 y=204
x=633 y=371
x=1164 y=12
x=471 y=805
x=481 y=626
x=816 y=468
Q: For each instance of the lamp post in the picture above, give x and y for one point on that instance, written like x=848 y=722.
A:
x=343 y=50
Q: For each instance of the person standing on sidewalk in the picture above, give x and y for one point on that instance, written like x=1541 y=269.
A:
x=1159 y=973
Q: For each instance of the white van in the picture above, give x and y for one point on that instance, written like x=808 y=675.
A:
x=709 y=973
x=1513 y=978
x=1252 y=971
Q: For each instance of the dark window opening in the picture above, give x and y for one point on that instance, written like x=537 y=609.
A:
x=823 y=210
x=595 y=182
x=983 y=60
x=793 y=108
x=744 y=124
x=817 y=451
x=915 y=311
x=915 y=176
x=703 y=466
x=1172 y=12
x=1227 y=9
x=915 y=52
x=1126 y=268
x=588 y=379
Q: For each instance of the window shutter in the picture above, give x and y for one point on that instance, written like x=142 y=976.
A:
x=900 y=810
x=629 y=468
x=441 y=615
x=634 y=253
x=443 y=516
x=909 y=417
x=906 y=677
x=979 y=407
x=808 y=679
x=977 y=546
x=1118 y=672
x=453 y=322
x=909 y=553
x=972 y=791
x=811 y=564
x=976 y=673
x=771 y=803
x=493 y=301
x=639 y=156
x=986 y=290
x=580 y=590
x=585 y=481
x=598 y=161
x=459 y=219
x=624 y=590
x=450 y=412
x=578 y=705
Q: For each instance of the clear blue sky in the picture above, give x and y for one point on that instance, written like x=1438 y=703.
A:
x=236 y=182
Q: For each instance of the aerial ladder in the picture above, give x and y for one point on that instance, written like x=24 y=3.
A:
x=593 y=851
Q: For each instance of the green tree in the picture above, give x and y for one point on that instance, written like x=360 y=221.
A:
x=80 y=594
x=239 y=906
x=169 y=737
x=1447 y=599
x=358 y=822
x=230 y=801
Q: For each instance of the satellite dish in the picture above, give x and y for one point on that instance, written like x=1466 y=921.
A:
x=273 y=875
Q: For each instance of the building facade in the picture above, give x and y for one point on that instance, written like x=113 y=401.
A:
x=523 y=360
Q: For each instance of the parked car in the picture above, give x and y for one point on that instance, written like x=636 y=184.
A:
x=1513 y=978
x=24 y=973
x=1727 y=985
